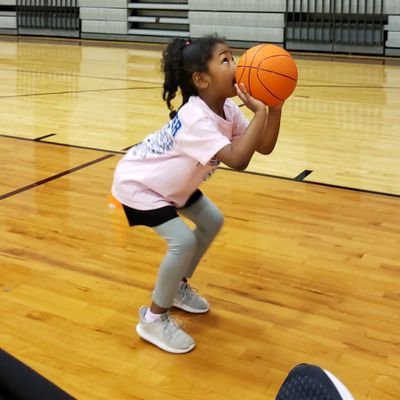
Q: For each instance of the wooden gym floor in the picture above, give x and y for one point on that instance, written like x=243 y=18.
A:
x=306 y=268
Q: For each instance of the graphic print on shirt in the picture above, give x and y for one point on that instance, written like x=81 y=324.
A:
x=213 y=163
x=159 y=142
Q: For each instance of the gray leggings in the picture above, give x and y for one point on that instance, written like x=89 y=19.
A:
x=185 y=247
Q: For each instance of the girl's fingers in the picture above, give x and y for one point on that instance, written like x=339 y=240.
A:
x=242 y=92
x=241 y=95
x=243 y=88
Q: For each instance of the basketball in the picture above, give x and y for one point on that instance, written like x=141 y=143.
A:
x=268 y=72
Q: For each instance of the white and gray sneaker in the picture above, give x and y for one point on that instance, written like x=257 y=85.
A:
x=188 y=300
x=164 y=333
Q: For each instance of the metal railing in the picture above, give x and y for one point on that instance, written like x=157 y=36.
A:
x=336 y=22
x=59 y=15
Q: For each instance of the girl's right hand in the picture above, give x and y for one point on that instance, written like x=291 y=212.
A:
x=249 y=101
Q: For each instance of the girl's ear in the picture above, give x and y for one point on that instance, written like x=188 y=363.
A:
x=200 y=80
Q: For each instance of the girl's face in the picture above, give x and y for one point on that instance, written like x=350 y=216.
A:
x=221 y=70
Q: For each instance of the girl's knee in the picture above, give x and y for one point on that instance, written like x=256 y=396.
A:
x=185 y=243
x=212 y=223
x=217 y=220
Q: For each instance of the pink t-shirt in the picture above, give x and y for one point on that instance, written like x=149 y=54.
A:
x=170 y=164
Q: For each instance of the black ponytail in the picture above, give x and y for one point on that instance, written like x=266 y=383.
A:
x=182 y=58
x=172 y=66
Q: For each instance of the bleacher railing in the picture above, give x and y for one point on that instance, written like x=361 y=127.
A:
x=58 y=15
x=336 y=23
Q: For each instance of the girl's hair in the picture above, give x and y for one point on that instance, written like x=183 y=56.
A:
x=180 y=59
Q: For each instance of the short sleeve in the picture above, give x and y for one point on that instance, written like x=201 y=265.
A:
x=201 y=139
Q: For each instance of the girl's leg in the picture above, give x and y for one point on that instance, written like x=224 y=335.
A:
x=208 y=220
x=182 y=244
x=156 y=325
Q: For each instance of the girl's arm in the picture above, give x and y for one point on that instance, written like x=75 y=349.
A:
x=237 y=155
x=271 y=130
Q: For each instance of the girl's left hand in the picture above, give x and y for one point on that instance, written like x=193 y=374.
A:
x=249 y=101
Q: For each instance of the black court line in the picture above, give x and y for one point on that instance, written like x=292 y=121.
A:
x=38 y=139
x=346 y=59
x=222 y=168
x=78 y=75
x=76 y=91
x=127 y=148
x=73 y=146
x=349 y=86
x=53 y=177
x=315 y=183
x=303 y=175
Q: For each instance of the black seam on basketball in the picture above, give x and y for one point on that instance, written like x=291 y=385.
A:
x=267 y=70
x=242 y=66
x=276 y=55
x=277 y=73
x=251 y=63
x=273 y=72
x=272 y=94
x=262 y=84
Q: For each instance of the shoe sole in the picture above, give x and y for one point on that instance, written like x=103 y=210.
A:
x=160 y=344
x=344 y=392
x=188 y=309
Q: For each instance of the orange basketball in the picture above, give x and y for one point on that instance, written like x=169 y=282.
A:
x=268 y=72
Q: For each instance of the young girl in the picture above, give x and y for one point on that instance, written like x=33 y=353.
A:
x=158 y=179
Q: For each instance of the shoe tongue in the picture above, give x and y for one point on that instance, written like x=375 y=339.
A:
x=164 y=317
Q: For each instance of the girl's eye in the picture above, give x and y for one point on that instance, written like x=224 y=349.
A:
x=225 y=60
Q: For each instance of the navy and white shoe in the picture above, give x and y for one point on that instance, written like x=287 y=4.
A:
x=306 y=382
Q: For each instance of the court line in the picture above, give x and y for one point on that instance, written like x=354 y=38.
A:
x=76 y=91
x=303 y=175
x=132 y=45
x=153 y=82
x=114 y=152
x=38 y=139
x=349 y=86
x=74 y=146
x=53 y=177
x=79 y=76
x=317 y=183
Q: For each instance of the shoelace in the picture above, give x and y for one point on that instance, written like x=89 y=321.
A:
x=188 y=291
x=170 y=326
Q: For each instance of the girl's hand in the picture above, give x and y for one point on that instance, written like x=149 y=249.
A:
x=249 y=101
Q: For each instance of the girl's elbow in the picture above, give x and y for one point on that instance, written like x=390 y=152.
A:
x=238 y=165
x=267 y=150
x=241 y=166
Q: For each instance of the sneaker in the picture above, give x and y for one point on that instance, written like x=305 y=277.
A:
x=305 y=382
x=164 y=333
x=188 y=300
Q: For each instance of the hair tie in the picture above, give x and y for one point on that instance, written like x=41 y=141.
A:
x=188 y=42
